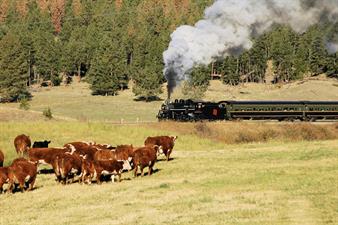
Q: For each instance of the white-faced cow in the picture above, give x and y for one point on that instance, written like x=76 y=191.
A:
x=66 y=166
x=92 y=169
x=166 y=142
x=22 y=171
x=145 y=157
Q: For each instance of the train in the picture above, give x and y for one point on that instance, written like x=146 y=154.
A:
x=189 y=110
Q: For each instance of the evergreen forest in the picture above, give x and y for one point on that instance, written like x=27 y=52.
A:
x=109 y=43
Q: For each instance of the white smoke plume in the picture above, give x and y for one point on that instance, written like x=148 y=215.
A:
x=229 y=26
x=332 y=47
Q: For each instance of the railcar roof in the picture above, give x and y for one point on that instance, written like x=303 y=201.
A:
x=283 y=102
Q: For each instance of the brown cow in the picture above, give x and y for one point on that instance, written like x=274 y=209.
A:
x=122 y=152
x=2 y=158
x=20 y=172
x=22 y=143
x=82 y=148
x=3 y=177
x=81 y=144
x=104 y=146
x=46 y=155
x=145 y=157
x=66 y=165
x=92 y=168
x=167 y=143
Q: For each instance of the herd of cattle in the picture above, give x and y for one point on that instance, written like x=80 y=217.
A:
x=84 y=161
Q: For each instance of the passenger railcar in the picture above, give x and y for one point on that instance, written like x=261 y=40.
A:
x=188 y=110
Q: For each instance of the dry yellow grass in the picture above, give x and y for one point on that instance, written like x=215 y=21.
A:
x=259 y=184
x=76 y=103
x=246 y=132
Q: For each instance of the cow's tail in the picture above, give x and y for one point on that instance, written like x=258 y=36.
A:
x=57 y=167
x=62 y=168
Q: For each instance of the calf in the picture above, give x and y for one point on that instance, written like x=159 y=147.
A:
x=145 y=157
x=3 y=177
x=2 y=158
x=167 y=143
x=91 y=168
x=22 y=171
x=41 y=144
x=22 y=143
x=66 y=165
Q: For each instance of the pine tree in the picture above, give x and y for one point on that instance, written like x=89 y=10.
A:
x=230 y=70
x=283 y=50
x=198 y=83
x=14 y=71
x=106 y=74
x=318 y=56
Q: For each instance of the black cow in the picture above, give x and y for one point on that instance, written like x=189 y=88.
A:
x=41 y=144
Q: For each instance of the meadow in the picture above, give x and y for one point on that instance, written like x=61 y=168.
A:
x=75 y=102
x=221 y=173
x=207 y=182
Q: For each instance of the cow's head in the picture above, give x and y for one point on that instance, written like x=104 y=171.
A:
x=159 y=149
x=174 y=138
x=71 y=148
x=126 y=165
x=47 y=142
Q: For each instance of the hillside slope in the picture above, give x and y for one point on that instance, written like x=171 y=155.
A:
x=75 y=102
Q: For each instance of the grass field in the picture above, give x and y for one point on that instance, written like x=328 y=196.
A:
x=75 y=103
x=207 y=182
x=222 y=173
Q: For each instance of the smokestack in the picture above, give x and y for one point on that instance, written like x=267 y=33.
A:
x=228 y=27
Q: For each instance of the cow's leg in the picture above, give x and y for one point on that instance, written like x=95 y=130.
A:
x=98 y=180
x=10 y=187
x=112 y=177
x=135 y=172
x=22 y=185
x=168 y=154
x=119 y=177
x=31 y=183
x=98 y=176
x=142 y=171
x=1 y=186
x=150 y=170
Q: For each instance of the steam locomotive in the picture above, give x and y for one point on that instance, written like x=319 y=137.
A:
x=188 y=110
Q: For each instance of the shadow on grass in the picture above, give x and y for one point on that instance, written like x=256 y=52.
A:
x=146 y=173
x=46 y=171
x=165 y=160
x=149 y=99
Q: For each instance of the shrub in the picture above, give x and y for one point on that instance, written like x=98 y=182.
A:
x=24 y=104
x=47 y=113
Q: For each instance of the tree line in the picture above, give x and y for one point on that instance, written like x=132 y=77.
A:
x=109 y=43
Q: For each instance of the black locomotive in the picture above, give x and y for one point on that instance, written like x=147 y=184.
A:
x=188 y=110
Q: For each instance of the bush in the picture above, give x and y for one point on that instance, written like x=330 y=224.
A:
x=48 y=113
x=24 y=104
